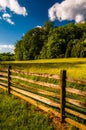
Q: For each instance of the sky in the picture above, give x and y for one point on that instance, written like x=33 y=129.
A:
x=19 y=16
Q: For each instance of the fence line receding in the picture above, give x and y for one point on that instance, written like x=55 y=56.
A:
x=52 y=93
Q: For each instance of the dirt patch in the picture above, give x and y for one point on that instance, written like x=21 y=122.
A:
x=57 y=123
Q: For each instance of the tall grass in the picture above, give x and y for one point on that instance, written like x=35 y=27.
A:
x=16 y=115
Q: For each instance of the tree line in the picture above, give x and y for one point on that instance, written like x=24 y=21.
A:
x=51 y=41
x=6 y=57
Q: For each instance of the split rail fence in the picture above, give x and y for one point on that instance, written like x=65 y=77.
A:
x=57 y=97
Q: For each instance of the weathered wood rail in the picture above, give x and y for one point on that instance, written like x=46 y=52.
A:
x=51 y=97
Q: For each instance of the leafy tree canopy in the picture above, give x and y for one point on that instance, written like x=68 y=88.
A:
x=52 y=42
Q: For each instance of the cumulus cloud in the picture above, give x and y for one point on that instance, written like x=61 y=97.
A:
x=68 y=10
x=14 y=7
x=7 y=48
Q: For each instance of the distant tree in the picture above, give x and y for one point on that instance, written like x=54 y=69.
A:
x=6 y=56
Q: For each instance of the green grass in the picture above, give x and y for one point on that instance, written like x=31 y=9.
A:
x=76 y=67
x=15 y=114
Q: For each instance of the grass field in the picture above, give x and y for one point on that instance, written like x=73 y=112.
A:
x=76 y=67
x=16 y=115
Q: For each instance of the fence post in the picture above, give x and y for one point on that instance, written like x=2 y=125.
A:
x=63 y=94
x=9 y=73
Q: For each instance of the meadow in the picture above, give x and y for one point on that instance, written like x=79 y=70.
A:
x=76 y=67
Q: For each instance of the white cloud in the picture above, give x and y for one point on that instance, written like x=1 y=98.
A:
x=68 y=10
x=7 y=48
x=38 y=26
x=9 y=21
x=7 y=17
x=14 y=7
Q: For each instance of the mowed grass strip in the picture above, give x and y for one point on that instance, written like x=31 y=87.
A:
x=15 y=114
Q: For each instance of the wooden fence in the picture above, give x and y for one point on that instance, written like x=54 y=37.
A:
x=52 y=93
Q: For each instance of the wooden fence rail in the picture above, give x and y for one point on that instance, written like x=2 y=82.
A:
x=51 y=97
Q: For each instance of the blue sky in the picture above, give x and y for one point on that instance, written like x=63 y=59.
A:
x=19 y=16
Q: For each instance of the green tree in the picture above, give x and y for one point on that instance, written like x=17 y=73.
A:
x=31 y=44
x=18 y=50
x=48 y=25
x=52 y=42
x=6 y=56
x=79 y=49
